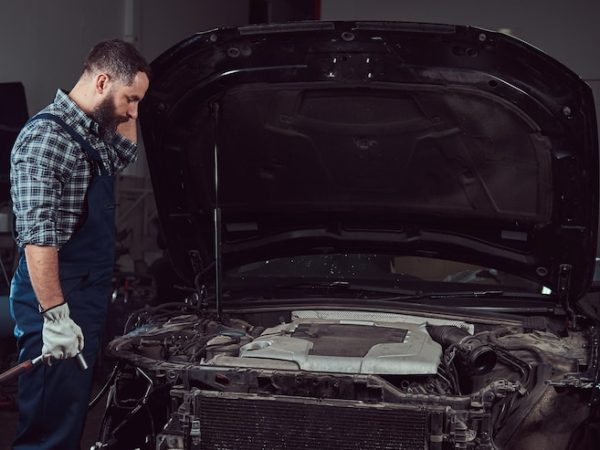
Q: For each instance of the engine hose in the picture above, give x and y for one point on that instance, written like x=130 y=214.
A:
x=104 y=388
x=447 y=335
x=476 y=357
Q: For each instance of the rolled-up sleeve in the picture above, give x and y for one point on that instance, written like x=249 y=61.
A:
x=126 y=151
x=42 y=160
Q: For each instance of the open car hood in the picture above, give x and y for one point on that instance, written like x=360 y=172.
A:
x=432 y=140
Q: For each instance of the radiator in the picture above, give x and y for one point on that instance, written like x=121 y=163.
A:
x=249 y=422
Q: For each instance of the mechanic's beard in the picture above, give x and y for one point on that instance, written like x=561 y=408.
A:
x=107 y=118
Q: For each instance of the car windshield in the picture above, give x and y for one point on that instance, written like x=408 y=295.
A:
x=401 y=271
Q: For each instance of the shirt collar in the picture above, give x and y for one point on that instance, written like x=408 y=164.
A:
x=75 y=113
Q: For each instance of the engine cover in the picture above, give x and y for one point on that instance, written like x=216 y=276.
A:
x=348 y=346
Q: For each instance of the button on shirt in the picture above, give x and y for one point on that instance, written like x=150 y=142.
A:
x=50 y=173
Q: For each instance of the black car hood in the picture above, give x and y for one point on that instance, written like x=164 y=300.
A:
x=435 y=140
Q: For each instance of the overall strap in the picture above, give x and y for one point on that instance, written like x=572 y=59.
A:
x=91 y=152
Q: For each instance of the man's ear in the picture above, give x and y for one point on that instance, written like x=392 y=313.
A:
x=102 y=81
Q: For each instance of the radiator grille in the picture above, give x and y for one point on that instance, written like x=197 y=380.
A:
x=246 y=422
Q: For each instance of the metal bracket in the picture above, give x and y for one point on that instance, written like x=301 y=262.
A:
x=595 y=366
x=564 y=286
x=195 y=261
x=217 y=216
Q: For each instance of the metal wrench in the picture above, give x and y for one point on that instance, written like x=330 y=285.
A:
x=31 y=363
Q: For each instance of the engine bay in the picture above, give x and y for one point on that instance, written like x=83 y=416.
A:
x=480 y=385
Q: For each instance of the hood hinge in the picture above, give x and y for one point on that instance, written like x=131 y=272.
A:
x=564 y=287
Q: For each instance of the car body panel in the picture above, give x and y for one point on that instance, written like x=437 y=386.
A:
x=454 y=142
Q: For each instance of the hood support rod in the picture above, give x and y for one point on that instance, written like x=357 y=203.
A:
x=217 y=217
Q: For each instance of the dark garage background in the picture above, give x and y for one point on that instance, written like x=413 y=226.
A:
x=42 y=45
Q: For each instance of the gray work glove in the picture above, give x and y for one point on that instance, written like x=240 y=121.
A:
x=61 y=336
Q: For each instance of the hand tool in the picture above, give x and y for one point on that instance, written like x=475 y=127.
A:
x=31 y=363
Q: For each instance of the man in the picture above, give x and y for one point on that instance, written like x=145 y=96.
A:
x=62 y=179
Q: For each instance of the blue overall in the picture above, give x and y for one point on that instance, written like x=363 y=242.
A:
x=53 y=399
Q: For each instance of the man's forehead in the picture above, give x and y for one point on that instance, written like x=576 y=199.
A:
x=138 y=86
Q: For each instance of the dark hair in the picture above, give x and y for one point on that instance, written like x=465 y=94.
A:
x=117 y=58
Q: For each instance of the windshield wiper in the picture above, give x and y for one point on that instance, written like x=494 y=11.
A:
x=465 y=294
x=505 y=297
x=392 y=293
x=409 y=294
x=347 y=286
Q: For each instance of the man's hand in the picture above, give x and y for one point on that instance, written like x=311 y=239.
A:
x=128 y=130
x=61 y=336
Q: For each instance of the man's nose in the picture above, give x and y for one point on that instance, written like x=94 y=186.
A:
x=133 y=111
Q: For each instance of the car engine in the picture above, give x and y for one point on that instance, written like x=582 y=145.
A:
x=344 y=379
x=314 y=345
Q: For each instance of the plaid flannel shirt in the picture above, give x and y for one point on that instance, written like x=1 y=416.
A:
x=50 y=173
